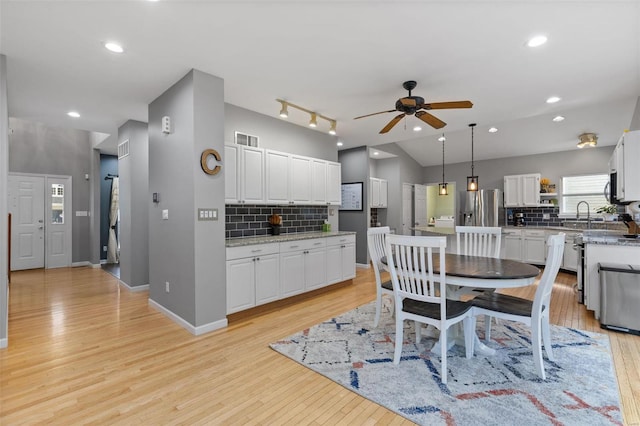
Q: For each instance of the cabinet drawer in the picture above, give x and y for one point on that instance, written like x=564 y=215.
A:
x=252 y=250
x=512 y=232
x=343 y=239
x=534 y=233
x=296 y=245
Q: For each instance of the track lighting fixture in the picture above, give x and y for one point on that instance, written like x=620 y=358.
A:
x=313 y=121
x=472 y=181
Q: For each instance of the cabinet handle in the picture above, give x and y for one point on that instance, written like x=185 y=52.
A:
x=258 y=259
x=256 y=251
x=317 y=244
x=294 y=246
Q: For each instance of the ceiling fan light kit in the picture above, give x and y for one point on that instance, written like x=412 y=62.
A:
x=472 y=181
x=415 y=105
x=313 y=116
x=588 y=139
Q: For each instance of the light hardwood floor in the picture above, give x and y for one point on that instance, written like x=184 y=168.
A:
x=84 y=350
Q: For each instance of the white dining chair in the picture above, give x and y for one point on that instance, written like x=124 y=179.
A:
x=480 y=241
x=534 y=313
x=377 y=246
x=418 y=295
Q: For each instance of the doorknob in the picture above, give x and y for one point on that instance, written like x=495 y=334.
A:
x=40 y=221
x=40 y=227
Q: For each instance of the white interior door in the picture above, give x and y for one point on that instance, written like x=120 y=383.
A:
x=58 y=222
x=407 y=213
x=420 y=207
x=26 y=205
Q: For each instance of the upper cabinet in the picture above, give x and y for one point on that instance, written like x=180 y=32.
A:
x=259 y=176
x=378 y=192
x=522 y=190
x=626 y=155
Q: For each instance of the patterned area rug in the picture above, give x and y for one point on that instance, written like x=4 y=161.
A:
x=580 y=389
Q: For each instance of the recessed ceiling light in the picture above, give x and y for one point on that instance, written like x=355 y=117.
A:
x=442 y=139
x=113 y=47
x=73 y=114
x=536 y=41
x=339 y=143
x=376 y=153
x=558 y=118
x=417 y=129
x=553 y=100
x=493 y=129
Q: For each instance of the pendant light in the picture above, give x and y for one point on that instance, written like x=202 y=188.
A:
x=472 y=181
x=442 y=188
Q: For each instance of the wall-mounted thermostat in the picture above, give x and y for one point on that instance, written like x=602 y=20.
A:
x=166 y=124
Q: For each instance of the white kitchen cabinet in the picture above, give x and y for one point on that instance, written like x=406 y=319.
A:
x=511 y=246
x=627 y=152
x=522 y=190
x=334 y=182
x=244 y=175
x=300 y=180
x=278 y=177
x=570 y=258
x=231 y=174
x=252 y=276
x=302 y=265
x=378 y=192
x=318 y=182
x=341 y=258
x=533 y=246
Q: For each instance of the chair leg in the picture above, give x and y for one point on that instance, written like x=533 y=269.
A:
x=546 y=338
x=443 y=354
x=469 y=335
x=417 y=326
x=536 y=343
x=399 y=338
x=378 y=309
x=487 y=328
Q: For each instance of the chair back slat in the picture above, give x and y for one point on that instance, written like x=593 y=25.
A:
x=479 y=240
x=377 y=247
x=555 y=251
x=411 y=266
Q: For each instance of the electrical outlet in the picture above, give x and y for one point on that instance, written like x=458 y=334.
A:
x=166 y=286
x=104 y=248
x=546 y=216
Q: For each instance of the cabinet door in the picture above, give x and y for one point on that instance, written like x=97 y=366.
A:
x=334 y=264
x=511 y=191
x=318 y=182
x=530 y=190
x=383 y=193
x=534 y=250
x=631 y=171
x=334 y=181
x=231 y=186
x=240 y=284
x=277 y=181
x=513 y=247
x=315 y=271
x=252 y=175
x=348 y=261
x=374 y=196
x=619 y=153
x=300 y=180
x=292 y=273
x=267 y=278
x=570 y=257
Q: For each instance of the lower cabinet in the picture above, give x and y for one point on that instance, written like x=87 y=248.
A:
x=302 y=265
x=253 y=276
x=530 y=246
x=533 y=246
x=341 y=258
x=512 y=244
x=570 y=257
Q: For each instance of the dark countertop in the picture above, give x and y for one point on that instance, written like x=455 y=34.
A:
x=239 y=242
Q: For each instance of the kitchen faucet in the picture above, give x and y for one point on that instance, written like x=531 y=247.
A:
x=588 y=213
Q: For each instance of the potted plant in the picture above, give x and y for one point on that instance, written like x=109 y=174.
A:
x=609 y=212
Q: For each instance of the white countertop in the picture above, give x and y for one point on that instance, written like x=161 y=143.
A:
x=238 y=242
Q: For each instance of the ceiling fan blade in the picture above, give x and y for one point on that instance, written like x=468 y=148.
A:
x=408 y=102
x=431 y=120
x=447 y=105
x=375 y=113
x=392 y=123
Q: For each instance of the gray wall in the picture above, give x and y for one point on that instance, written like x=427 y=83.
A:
x=278 y=134
x=188 y=254
x=4 y=171
x=134 y=199
x=635 y=120
x=355 y=168
x=36 y=148
x=108 y=166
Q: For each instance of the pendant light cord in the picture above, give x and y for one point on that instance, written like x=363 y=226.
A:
x=443 y=139
x=472 y=126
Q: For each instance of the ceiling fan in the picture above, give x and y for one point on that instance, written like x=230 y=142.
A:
x=415 y=105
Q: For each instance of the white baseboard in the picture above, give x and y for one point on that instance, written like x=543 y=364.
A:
x=134 y=289
x=79 y=264
x=362 y=265
x=95 y=266
x=4 y=343
x=196 y=331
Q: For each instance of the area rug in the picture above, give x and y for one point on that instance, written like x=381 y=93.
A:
x=503 y=389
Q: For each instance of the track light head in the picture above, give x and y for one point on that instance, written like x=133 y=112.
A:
x=332 y=129
x=284 y=112
x=313 y=122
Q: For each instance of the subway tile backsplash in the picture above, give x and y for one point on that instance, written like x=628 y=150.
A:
x=534 y=216
x=242 y=220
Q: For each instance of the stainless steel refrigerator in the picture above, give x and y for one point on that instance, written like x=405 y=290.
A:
x=482 y=208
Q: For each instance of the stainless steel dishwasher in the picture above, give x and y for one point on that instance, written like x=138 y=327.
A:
x=620 y=297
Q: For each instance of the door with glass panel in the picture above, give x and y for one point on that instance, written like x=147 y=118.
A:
x=58 y=226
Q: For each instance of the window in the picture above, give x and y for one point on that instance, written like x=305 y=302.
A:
x=589 y=188
x=57 y=203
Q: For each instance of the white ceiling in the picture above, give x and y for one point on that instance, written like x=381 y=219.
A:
x=342 y=59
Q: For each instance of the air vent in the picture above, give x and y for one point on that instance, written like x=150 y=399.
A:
x=123 y=149
x=247 y=140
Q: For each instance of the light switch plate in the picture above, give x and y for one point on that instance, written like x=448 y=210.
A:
x=207 y=214
x=165 y=214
